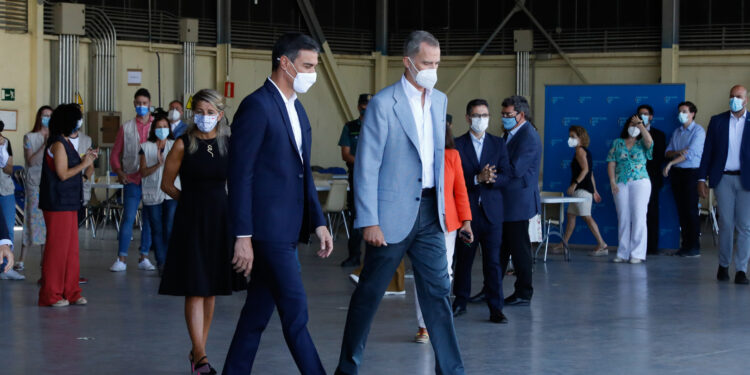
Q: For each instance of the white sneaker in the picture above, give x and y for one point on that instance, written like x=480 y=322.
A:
x=118 y=266
x=635 y=261
x=354 y=279
x=619 y=260
x=11 y=275
x=146 y=265
x=18 y=266
x=395 y=293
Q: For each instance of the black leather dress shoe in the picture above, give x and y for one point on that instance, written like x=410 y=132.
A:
x=498 y=317
x=741 y=278
x=352 y=261
x=723 y=274
x=458 y=310
x=516 y=301
x=479 y=297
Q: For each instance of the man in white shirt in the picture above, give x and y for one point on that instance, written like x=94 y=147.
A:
x=725 y=163
x=398 y=182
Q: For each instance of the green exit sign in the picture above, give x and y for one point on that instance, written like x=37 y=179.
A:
x=8 y=95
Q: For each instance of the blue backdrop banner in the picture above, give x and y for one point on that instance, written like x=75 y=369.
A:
x=603 y=110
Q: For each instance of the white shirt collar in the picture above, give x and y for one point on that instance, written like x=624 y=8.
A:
x=475 y=139
x=291 y=99
x=743 y=117
x=411 y=91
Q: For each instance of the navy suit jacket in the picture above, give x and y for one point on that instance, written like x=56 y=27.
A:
x=494 y=153
x=521 y=193
x=716 y=147
x=272 y=195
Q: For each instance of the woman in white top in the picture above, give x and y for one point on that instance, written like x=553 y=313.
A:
x=7 y=194
x=160 y=206
x=34 y=230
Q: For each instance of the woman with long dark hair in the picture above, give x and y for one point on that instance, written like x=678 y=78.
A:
x=60 y=198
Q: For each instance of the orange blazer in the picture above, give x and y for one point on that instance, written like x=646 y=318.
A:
x=457 y=209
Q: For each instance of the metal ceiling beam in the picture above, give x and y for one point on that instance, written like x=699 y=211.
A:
x=381 y=27
x=329 y=61
x=481 y=50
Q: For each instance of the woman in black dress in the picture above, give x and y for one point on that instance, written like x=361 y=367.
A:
x=199 y=258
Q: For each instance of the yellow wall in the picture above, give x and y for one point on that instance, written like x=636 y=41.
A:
x=708 y=75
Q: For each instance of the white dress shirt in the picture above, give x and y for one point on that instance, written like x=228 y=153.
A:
x=736 y=128
x=293 y=117
x=478 y=144
x=514 y=131
x=425 y=132
x=75 y=141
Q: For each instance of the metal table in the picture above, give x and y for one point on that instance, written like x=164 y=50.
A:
x=551 y=231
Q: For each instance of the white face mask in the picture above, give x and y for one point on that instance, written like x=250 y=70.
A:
x=634 y=132
x=644 y=118
x=303 y=81
x=174 y=115
x=479 y=124
x=206 y=123
x=682 y=117
x=426 y=78
x=572 y=142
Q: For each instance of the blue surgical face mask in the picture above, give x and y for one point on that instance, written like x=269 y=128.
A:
x=736 y=104
x=682 y=117
x=142 y=110
x=45 y=121
x=509 y=123
x=78 y=125
x=644 y=118
x=162 y=133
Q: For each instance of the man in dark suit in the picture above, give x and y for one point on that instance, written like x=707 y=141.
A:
x=274 y=204
x=654 y=167
x=521 y=200
x=726 y=165
x=484 y=160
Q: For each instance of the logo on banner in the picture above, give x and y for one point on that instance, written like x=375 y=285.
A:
x=584 y=99
x=567 y=121
x=566 y=164
x=641 y=99
x=595 y=120
x=612 y=99
x=555 y=141
x=671 y=99
x=556 y=99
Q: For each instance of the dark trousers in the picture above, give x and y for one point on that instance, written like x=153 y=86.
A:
x=652 y=220
x=685 y=189
x=355 y=235
x=275 y=281
x=425 y=245
x=490 y=236
x=516 y=243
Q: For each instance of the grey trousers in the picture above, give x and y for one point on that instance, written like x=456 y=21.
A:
x=734 y=213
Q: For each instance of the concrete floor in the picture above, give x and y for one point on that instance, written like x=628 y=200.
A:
x=589 y=316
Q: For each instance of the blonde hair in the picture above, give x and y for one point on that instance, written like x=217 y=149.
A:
x=223 y=132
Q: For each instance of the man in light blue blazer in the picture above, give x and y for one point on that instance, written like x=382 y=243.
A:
x=398 y=182
x=521 y=200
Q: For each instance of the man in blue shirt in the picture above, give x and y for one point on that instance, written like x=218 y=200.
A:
x=348 y=143
x=684 y=154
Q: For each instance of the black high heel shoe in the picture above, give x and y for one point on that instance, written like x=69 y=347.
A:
x=202 y=368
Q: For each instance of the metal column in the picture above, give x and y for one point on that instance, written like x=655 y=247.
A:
x=670 y=40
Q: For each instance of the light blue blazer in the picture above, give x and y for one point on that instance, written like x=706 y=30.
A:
x=388 y=169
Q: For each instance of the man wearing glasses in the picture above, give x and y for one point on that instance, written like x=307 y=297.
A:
x=484 y=159
x=521 y=199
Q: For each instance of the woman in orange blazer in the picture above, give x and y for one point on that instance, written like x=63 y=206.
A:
x=457 y=216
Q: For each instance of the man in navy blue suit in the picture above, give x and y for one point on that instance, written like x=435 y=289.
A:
x=274 y=204
x=726 y=165
x=484 y=160
x=521 y=200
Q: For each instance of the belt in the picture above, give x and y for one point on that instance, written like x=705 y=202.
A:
x=429 y=192
x=732 y=173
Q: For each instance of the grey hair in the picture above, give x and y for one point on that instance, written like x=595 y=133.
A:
x=414 y=42
x=520 y=104
x=222 y=128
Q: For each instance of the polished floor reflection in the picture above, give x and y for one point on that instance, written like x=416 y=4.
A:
x=589 y=316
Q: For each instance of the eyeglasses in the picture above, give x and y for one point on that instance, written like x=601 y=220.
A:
x=479 y=115
x=509 y=114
